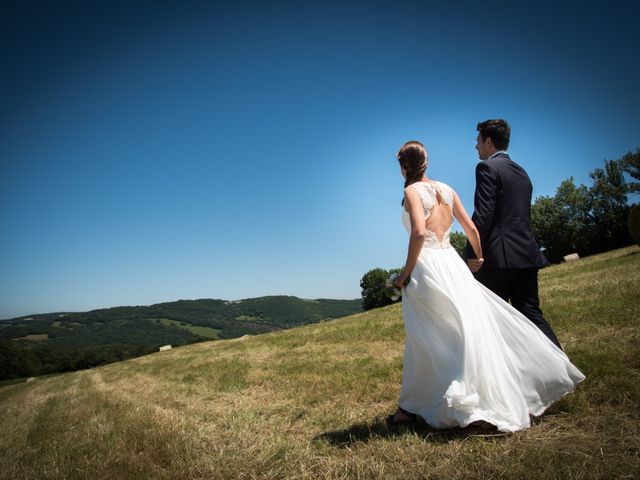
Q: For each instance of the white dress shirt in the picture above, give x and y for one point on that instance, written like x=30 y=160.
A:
x=497 y=153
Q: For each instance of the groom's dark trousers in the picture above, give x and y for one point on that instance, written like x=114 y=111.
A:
x=502 y=215
x=520 y=286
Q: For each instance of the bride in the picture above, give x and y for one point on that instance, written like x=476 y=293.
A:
x=469 y=356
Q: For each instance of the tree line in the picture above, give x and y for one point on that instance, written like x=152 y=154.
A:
x=578 y=219
x=588 y=219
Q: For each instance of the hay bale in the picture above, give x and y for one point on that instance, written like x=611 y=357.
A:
x=572 y=257
x=165 y=347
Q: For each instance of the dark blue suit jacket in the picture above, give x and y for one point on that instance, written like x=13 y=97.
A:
x=502 y=215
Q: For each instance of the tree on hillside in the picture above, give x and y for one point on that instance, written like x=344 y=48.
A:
x=372 y=285
x=584 y=220
x=17 y=362
x=561 y=223
x=634 y=223
x=458 y=241
x=608 y=207
x=631 y=166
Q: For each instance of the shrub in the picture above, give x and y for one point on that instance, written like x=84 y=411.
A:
x=634 y=223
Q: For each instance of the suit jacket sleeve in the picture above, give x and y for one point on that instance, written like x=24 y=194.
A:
x=484 y=203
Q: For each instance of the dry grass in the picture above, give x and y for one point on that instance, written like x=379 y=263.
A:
x=310 y=403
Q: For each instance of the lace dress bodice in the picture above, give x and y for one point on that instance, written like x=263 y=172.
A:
x=427 y=192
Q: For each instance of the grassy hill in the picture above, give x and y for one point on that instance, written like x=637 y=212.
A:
x=66 y=341
x=310 y=403
x=231 y=318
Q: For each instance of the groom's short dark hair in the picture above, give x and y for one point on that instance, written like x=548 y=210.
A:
x=497 y=130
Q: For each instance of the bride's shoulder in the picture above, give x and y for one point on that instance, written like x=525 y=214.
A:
x=440 y=183
x=444 y=185
x=446 y=189
x=417 y=191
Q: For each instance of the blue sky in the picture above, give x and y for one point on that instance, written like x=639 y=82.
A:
x=155 y=151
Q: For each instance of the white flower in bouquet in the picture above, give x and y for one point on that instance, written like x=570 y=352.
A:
x=391 y=290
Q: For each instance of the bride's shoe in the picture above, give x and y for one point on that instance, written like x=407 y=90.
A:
x=483 y=426
x=409 y=418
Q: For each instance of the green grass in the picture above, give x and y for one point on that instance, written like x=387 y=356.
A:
x=310 y=403
x=207 y=332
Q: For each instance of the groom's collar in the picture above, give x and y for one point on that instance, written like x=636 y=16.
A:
x=498 y=153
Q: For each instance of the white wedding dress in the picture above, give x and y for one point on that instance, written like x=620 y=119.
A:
x=469 y=355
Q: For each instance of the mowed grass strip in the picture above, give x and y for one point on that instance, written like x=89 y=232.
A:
x=310 y=403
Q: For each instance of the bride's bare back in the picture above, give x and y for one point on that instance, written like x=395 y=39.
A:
x=434 y=204
x=440 y=217
x=437 y=203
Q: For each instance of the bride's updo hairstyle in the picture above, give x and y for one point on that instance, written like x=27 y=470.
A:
x=413 y=158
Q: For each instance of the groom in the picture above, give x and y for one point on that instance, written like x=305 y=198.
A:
x=502 y=215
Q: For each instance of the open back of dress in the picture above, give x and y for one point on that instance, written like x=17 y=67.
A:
x=437 y=201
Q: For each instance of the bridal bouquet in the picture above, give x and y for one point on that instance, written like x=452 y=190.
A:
x=391 y=290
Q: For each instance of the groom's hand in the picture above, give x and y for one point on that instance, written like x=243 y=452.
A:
x=475 y=264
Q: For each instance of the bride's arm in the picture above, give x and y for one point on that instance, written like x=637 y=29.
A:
x=469 y=228
x=414 y=207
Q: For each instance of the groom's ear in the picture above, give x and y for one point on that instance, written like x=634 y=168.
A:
x=489 y=144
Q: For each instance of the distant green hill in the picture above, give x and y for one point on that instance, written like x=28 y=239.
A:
x=310 y=403
x=64 y=341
